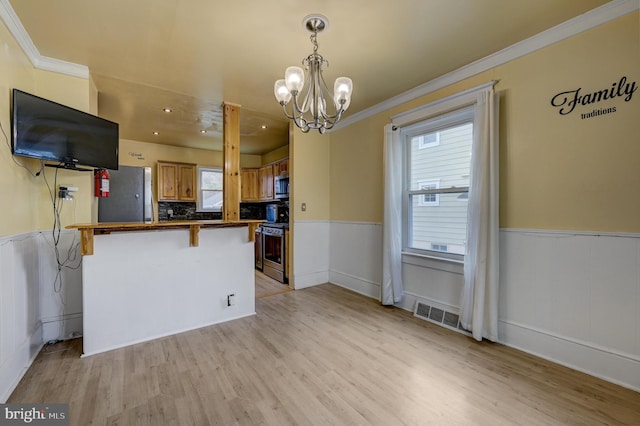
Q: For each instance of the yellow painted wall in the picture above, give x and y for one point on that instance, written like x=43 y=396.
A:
x=25 y=198
x=564 y=172
x=145 y=154
x=309 y=172
x=276 y=154
x=557 y=172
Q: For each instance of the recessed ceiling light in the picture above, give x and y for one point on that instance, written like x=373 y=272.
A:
x=167 y=109
x=156 y=133
x=203 y=131
x=264 y=126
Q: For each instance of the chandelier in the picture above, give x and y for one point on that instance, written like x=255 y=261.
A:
x=309 y=107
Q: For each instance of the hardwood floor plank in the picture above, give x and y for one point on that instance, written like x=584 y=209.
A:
x=267 y=286
x=323 y=355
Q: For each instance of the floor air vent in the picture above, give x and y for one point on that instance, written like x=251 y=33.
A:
x=439 y=316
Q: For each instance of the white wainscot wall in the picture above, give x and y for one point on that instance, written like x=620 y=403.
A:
x=356 y=264
x=35 y=306
x=568 y=297
x=573 y=298
x=356 y=257
x=311 y=260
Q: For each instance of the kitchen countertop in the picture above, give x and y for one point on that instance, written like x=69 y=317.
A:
x=275 y=225
x=88 y=230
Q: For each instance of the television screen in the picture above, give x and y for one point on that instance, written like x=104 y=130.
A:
x=50 y=131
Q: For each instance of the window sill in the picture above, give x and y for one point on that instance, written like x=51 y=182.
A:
x=434 y=262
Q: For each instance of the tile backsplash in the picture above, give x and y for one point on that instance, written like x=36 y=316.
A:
x=187 y=211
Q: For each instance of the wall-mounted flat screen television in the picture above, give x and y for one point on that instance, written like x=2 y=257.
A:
x=50 y=131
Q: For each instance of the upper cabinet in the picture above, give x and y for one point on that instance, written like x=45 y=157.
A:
x=249 y=183
x=265 y=176
x=282 y=167
x=176 y=181
x=258 y=184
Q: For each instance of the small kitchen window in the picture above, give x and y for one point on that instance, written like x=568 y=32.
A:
x=209 y=189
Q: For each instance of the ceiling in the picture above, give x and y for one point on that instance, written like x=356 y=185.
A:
x=192 y=55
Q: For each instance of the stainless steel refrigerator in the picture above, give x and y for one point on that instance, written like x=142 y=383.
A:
x=130 y=196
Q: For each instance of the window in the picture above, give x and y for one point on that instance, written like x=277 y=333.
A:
x=428 y=140
x=436 y=184
x=430 y=199
x=209 y=189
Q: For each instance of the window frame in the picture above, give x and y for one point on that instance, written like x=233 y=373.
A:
x=200 y=197
x=429 y=124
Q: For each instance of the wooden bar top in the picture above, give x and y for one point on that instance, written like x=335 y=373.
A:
x=88 y=230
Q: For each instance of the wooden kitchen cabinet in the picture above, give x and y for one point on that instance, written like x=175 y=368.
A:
x=265 y=176
x=257 y=184
x=187 y=187
x=282 y=167
x=176 y=181
x=249 y=185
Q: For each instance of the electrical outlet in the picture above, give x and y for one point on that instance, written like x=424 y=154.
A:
x=65 y=192
x=303 y=207
x=231 y=299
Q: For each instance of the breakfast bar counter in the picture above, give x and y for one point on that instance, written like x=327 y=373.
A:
x=142 y=281
x=88 y=230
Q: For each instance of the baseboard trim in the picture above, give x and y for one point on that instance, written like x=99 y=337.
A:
x=29 y=349
x=62 y=327
x=595 y=361
x=356 y=284
x=160 y=336
x=310 y=279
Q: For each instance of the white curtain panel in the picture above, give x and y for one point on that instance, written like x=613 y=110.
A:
x=391 y=291
x=479 y=312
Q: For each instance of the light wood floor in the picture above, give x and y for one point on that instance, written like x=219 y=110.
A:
x=322 y=355
x=266 y=286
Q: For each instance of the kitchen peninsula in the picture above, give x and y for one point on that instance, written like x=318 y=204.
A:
x=141 y=281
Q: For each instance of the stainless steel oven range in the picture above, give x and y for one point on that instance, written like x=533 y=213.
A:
x=273 y=252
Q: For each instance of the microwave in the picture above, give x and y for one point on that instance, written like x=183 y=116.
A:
x=281 y=186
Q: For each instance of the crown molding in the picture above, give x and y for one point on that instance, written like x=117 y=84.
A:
x=21 y=36
x=63 y=67
x=588 y=20
x=574 y=26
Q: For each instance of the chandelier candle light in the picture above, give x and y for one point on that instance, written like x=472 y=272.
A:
x=309 y=110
